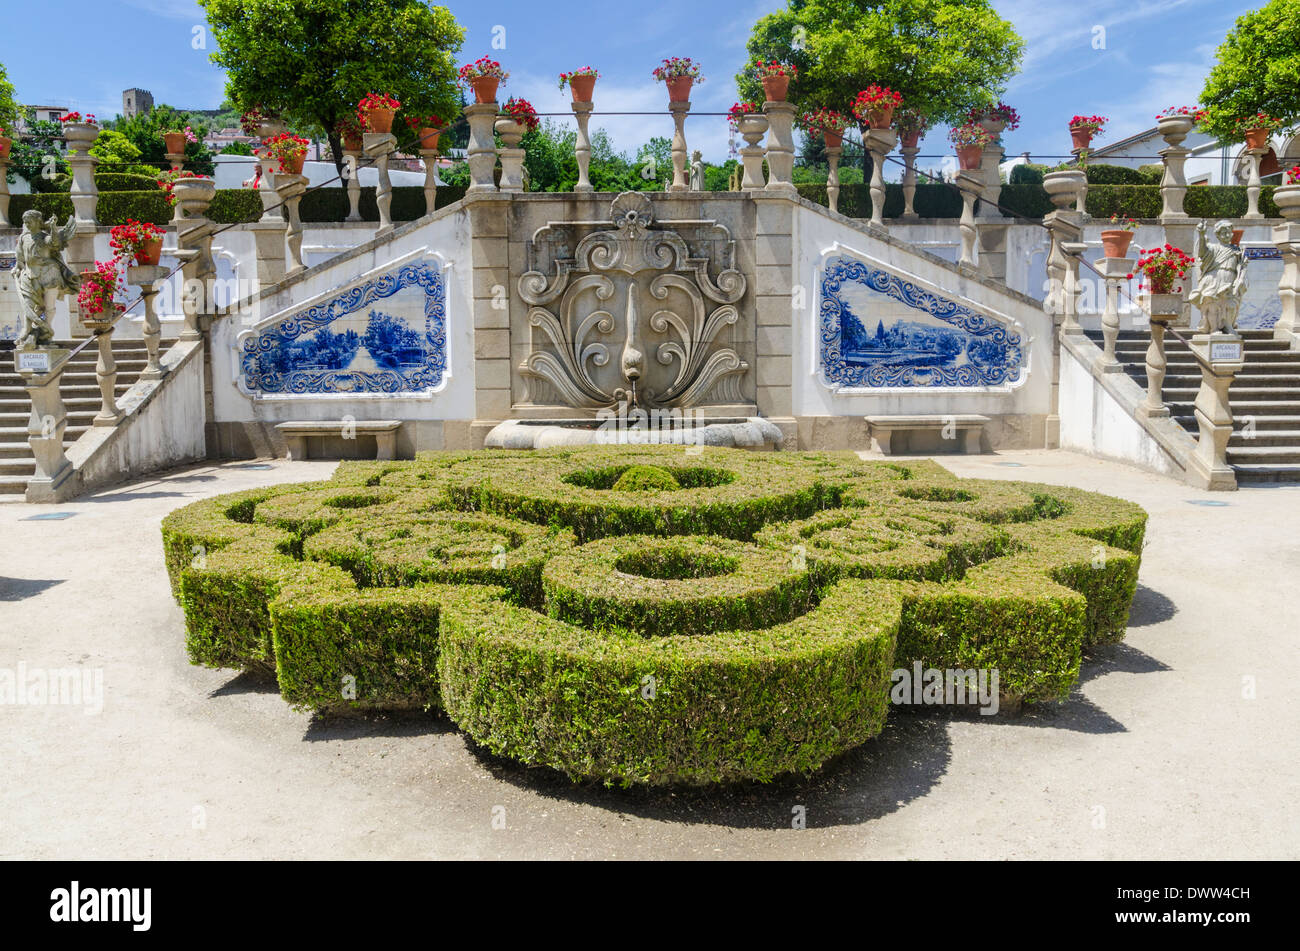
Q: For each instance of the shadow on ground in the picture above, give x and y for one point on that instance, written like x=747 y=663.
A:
x=17 y=589
x=1150 y=607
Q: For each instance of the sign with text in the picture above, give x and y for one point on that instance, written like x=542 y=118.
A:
x=37 y=361
x=1225 y=351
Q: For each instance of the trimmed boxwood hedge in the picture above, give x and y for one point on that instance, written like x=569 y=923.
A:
x=737 y=627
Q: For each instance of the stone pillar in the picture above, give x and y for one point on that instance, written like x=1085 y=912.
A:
x=177 y=160
x=833 y=180
x=4 y=193
x=993 y=246
x=582 y=150
x=271 y=210
x=194 y=243
x=910 y=152
x=106 y=375
x=1222 y=357
x=1162 y=310
x=1254 y=157
x=41 y=370
x=291 y=188
x=80 y=256
x=430 y=158
x=512 y=156
x=1081 y=205
x=969 y=182
x=378 y=147
x=776 y=317
x=268 y=240
x=880 y=142
x=989 y=168
x=780 y=147
x=147 y=277
x=1065 y=229
x=1287 y=238
x=352 y=161
x=1115 y=272
x=752 y=128
x=1173 y=186
x=679 y=111
x=482 y=146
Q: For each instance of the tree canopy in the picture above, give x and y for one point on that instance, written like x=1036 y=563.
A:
x=1258 y=70
x=943 y=56
x=312 y=61
x=8 y=105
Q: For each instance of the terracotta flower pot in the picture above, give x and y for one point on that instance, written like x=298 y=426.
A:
x=834 y=140
x=151 y=253
x=911 y=139
x=5 y=144
x=1287 y=199
x=427 y=138
x=353 y=143
x=881 y=118
x=1082 y=137
x=292 y=164
x=582 y=88
x=1115 y=242
x=1237 y=234
x=380 y=119
x=1257 y=138
x=970 y=156
x=485 y=88
x=775 y=88
x=679 y=88
x=175 y=143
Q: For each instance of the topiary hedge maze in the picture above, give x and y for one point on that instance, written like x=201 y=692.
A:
x=649 y=616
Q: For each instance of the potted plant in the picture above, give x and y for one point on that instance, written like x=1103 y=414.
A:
x=376 y=112
x=76 y=118
x=1162 y=267
x=95 y=297
x=1255 y=130
x=1115 y=239
x=581 y=83
x=520 y=112
x=994 y=119
x=1287 y=196
x=970 y=140
x=251 y=121
x=351 y=132
x=139 y=241
x=5 y=144
x=289 y=150
x=167 y=182
x=427 y=128
x=775 y=77
x=875 y=106
x=1084 y=128
x=911 y=126
x=678 y=73
x=736 y=114
x=829 y=123
x=484 y=76
x=176 y=139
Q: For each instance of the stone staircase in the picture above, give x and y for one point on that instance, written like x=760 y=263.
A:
x=80 y=389
x=1265 y=397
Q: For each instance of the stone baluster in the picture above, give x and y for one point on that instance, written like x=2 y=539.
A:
x=378 y=147
x=352 y=166
x=990 y=168
x=194 y=248
x=106 y=375
x=910 y=152
x=1253 y=158
x=430 y=159
x=1115 y=272
x=176 y=160
x=266 y=184
x=4 y=192
x=1066 y=230
x=780 y=147
x=482 y=146
x=833 y=154
x=880 y=142
x=291 y=188
x=582 y=150
x=1173 y=185
x=679 y=110
x=1222 y=357
x=147 y=278
x=512 y=156
x=970 y=183
x=752 y=129
x=41 y=371
x=1081 y=205
x=80 y=136
x=1287 y=238
x=1162 y=311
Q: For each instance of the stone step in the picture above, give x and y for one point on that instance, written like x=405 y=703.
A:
x=15 y=484
x=1264 y=474
x=18 y=466
x=1264 y=455
x=1279 y=438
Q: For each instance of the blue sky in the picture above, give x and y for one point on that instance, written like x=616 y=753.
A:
x=1156 y=53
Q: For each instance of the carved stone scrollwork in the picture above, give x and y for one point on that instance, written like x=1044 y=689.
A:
x=593 y=306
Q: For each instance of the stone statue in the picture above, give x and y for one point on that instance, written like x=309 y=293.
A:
x=42 y=276
x=697 y=171
x=1222 y=285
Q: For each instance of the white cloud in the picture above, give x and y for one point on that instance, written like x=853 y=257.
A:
x=171 y=9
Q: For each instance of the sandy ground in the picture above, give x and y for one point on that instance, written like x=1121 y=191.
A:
x=1160 y=753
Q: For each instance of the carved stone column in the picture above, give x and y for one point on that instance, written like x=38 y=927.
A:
x=352 y=161
x=41 y=370
x=194 y=243
x=378 y=147
x=780 y=147
x=970 y=183
x=1081 y=204
x=879 y=142
x=1287 y=238
x=106 y=373
x=582 y=149
x=512 y=156
x=1162 y=310
x=147 y=278
x=1253 y=157
x=1065 y=229
x=482 y=146
x=993 y=246
x=1115 y=272
x=291 y=188
x=910 y=152
x=679 y=111
x=1173 y=186
x=430 y=157
x=833 y=179
x=176 y=160
x=990 y=163
x=271 y=210
x=752 y=128
x=80 y=136
x=1222 y=358
x=4 y=193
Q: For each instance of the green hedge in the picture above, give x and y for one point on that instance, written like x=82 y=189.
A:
x=738 y=620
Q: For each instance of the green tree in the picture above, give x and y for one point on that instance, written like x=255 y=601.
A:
x=117 y=153
x=1258 y=70
x=37 y=157
x=943 y=56
x=8 y=105
x=145 y=131
x=237 y=148
x=312 y=61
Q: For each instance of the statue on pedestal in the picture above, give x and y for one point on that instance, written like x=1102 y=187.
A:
x=697 y=171
x=1222 y=286
x=42 y=276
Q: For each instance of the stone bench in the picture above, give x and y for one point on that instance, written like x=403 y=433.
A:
x=384 y=431
x=968 y=431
